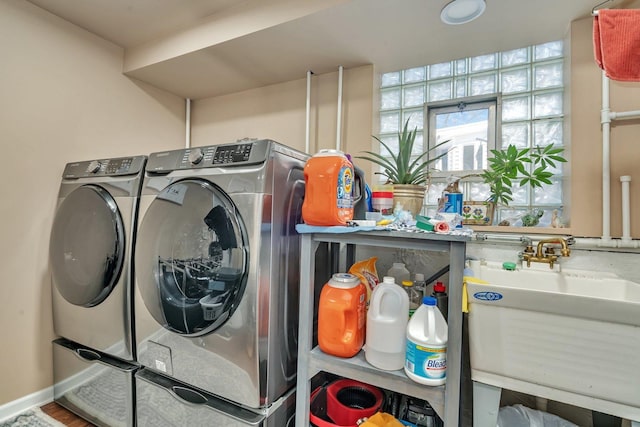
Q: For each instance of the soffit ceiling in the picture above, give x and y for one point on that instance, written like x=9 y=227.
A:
x=203 y=48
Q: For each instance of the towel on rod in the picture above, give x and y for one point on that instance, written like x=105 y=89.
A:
x=616 y=43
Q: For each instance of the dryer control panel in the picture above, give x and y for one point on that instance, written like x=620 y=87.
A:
x=242 y=153
x=104 y=167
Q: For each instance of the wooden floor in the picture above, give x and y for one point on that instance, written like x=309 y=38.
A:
x=64 y=416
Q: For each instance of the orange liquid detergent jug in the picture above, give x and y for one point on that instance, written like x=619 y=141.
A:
x=328 y=198
x=341 y=315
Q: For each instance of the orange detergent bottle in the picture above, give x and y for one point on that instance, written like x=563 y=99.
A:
x=341 y=315
x=328 y=198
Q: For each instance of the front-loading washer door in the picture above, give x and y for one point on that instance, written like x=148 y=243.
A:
x=191 y=257
x=87 y=246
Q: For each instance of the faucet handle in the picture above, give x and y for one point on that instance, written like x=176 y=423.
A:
x=528 y=250
x=549 y=251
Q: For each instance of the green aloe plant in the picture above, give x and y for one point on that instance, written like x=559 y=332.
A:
x=399 y=168
x=509 y=166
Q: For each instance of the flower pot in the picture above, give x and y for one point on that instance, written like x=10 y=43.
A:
x=409 y=196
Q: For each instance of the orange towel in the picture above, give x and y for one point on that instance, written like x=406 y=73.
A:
x=616 y=42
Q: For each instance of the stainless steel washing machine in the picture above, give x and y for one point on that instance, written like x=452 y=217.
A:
x=217 y=269
x=90 y=252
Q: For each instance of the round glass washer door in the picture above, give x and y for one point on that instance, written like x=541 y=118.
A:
x=191 y=257
x=87 y=246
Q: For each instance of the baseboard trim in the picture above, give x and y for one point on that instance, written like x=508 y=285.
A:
x=16 y=407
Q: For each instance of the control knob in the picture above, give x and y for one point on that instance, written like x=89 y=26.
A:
x=196 y=155
x=94 y=166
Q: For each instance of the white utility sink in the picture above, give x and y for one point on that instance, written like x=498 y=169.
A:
x=571 y=336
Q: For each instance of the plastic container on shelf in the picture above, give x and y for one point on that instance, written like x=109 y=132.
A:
x=399 y=272
x=420 y=285
x=386 y=326
x=426 y=354
x=440 y=294
x=382 y=199
x=329 y=180
x=341 y=315
x=343 y=402
x=415 y=298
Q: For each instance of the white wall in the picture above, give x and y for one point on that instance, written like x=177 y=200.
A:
x=62 y=98
x=278 y=112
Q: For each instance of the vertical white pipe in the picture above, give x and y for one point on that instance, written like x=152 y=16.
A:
x=626 y=209
x=339 y=118
x=605 y=119
x=187 y=139
x=307 y=135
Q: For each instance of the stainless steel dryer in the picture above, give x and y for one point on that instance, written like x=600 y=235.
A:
x=90 y=254
x=217 y=269
x=90 y=251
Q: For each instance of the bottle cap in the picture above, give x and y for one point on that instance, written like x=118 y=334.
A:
x=388 y=279
x=398 y=264
x=439 y=287
x=419 y=277
x=429 y=301
x=407 y=283
x=344 y=281
x=509 y=266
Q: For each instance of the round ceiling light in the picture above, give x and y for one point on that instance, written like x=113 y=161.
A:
x=462 y=11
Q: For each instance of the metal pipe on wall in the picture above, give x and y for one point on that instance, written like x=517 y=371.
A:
x=626 y=209
x=339 y=117
x=625 y=115
x=606 y=115
x=307 y=132
x=605 y=119
x=187 y=139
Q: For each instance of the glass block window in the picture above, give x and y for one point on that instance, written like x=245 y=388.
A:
x=530 y=83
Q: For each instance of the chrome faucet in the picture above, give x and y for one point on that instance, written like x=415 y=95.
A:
x=549 y=256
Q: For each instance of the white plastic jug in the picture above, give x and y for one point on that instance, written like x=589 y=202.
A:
x=386 y=326
x=426 y=353
x=399 y=273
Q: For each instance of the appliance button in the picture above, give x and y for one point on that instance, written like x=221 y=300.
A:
x=94 y=166
x=195 y=156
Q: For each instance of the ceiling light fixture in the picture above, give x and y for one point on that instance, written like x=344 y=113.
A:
x=462 y=11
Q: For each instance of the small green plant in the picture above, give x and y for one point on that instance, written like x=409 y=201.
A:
x=400 y=168
x=510 y=166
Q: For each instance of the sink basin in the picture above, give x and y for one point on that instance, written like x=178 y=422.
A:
x=572 y=336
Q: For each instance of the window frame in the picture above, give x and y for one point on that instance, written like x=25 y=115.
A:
x=494 y=105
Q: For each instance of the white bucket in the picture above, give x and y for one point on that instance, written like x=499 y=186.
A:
x=386 y=326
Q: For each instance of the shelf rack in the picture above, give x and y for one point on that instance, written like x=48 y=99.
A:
x=445 y=400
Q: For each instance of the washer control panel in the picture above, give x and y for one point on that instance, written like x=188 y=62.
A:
x=243 y=152
x=104 y=167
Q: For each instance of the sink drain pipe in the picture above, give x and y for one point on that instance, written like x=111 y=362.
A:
x=626 y=213
x=606 y=116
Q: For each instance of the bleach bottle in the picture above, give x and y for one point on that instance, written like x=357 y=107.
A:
x=426 y=354
x=386 y=326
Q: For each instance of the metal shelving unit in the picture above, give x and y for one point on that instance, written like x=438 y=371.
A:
x=445 y=400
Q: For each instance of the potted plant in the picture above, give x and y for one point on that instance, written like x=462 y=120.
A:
x=527 y=166
x=409 y=177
